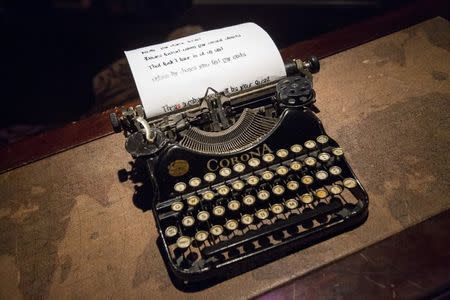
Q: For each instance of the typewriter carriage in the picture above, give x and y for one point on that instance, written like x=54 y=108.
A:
x=211 y=109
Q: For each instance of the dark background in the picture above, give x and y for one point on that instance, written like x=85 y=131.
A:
x=51 y=50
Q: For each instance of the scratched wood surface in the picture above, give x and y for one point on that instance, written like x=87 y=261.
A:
x=394 y=268
x=69 y=228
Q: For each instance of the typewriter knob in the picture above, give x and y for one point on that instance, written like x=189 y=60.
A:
x=115 y=123
x=137 y=145
x=294 y=91
x=312 y=64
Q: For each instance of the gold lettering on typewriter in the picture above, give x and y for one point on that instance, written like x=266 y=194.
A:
x=214 y=164
x=234 y=160
x=178 y=168
x=245 y=157
x=224 y=163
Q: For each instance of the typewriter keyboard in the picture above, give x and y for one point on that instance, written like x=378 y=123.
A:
x=255 y=204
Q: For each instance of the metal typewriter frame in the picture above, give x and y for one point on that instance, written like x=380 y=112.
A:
x=145 y=139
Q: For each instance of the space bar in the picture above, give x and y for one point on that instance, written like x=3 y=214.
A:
x=266 y=230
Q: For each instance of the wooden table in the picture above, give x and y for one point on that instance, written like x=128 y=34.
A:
x=69 y=228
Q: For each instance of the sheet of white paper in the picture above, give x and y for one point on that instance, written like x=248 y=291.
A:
x=174 y=74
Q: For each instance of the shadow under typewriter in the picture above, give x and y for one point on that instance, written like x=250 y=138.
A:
x=138 y=175
x=252 y=180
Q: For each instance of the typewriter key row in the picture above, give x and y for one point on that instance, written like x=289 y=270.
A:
x=268 y=158
x=262 y=213
x=262 y=194
x=231 y=225
x=253 y=180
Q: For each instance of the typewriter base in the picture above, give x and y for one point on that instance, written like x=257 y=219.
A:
x=259 y=260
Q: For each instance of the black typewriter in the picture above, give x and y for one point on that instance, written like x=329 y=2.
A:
x=244 y=178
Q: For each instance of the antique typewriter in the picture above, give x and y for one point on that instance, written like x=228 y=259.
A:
x=244 y=178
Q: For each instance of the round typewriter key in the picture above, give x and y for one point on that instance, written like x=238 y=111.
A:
x=209 y=177
x=282 y=170
x=310 y=161
x=254 y=162
x=239 y=167
x=349 y=183
x=296 y=148
x=277 y=208
x=336 y=189
x=291 y=203
x=234 y=205
x=292 y=185
x=253 y=180
x=179 y=187
x=193 y=200
x=263 y=195
x=321 y=193
x=216 y=230
x=267 y=175
x=296 y=165
x=324 y=157
x=278 y=190
x=223 y=190
x=282 y=153
x=195 y=182
x=218 y=211
x=225 y=172
x=307 y=180
x=248 y=200
x=208 y=195
x=307 y=198
x=171 y=231
x=338 y=151
x=177 y=206
x=231 y=225
x=183 y=242
x=203 y=216
x=188 y=221
x=321 y=175
x=247 y=219
x=335 y=170
x=238 y=185
x=201 y=236
x=268 y=158
x=322 y=139
x=310 y=144
x=262 y=214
